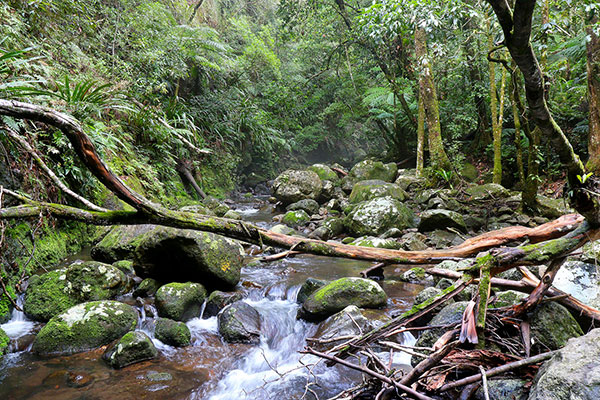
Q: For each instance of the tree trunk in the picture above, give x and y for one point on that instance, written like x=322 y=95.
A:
x=593 y=84
x=420 y=138
x=437 y=154
x=514 y=92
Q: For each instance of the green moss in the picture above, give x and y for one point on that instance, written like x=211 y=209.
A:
x=6 y=304
x=172 y=332
x=180 y=301
x=48 y=295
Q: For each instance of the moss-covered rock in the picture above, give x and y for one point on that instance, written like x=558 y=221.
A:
x=309 y=206
x=147 y=287
x=308 y=288
x=572 y=373
x=508 y=298
x=173 y=333
x=132 y=348
x=6 y=305
x=368 y=169
x=284 y=229
x=340 y=294
x=240 y=323
x=197 y=209
x=168 y=254
x=295 y=218
x=294 y=185
x=84 y=327
x=487 y=191
x=56 y=291
x=125 y=266
x=441 y=219
x=233 y=215
x=180 y=301
x=4 y=342
x=324 y=172
x=219 y=300
x=504 y=389
x=408 y=180
x=376 y=216
x=371 y=241
x=348 y=322
x=119 y=243
x=553 y=208
x=216 y=206
x=367 y=190
x=416 y=275
x=552 y=325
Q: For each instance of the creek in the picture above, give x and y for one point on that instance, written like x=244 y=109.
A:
x=210 y=368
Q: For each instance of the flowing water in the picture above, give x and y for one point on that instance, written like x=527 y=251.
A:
x=210 y=368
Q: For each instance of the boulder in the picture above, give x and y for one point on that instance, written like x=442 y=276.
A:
x=408 y=180
x=337 y=328
x=572 y=373
x=580 y=280
x=85 y=327
x=56 y=291
x=284 y=230
x=173 y=333
x=367 y=190
x=4 y=342
x=295 y=218
x=125 y=266
x=197 y=209
x=119 y=243
x=307 y=205
x=240 y=323
x=294 y=185
x=368 y=169
x=180 y=301
x=232 y=215
x=487 y=191
x=324 y=172
x=504 y=389
x=340 y=294
x=168 y=254
x=308 y=288
x=216 y=206
x=553 y=208
x=441 y=219
x=376 y=216
x=552 y=325
x=132 y=348
x=371 y=241
x=413 y=241
x=147 y=287
x=217 y=301
x=416 y=275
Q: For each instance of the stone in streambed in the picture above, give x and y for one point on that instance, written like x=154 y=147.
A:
x=308 y=288
x=132 y=348
x=368 y=190
x=348 y=322
x=240 y=323
x=339 y=294
x=180 y=301
x=173 y=333
x=294 y=185
x=120 y=242
x=441 y=219
x=219 y=300
x=374 y=217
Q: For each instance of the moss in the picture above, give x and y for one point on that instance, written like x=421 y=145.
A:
x=6 y=304
x=180 y=301
x=48 y=295
x=4 y=342
x=172 y=332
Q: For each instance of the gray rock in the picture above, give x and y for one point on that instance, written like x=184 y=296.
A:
x=307 y=205
x=552 y=325
x=426 y=294
x=416 y=275
x=487 y=191
x=371 y=241
x=240 y=323
x=132 y=348
x=580 y=280
x=147 y=287
x=294 y=185
x=376 y=216
x=368 y=190
x=349 y=321
x=441 y=219
x=413 y=241
x=173 y=333
x=217 y=301
x=295 y=218
x=504 y=389
x=573 y=373
x=180 y=301
x=308 y=288
x=324 y=172
x=119 y=243
x=368 y=169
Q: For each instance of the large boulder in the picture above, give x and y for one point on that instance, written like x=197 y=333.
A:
x=56 y=291
x=309 y=206
x=368 y=169
x=295 y=218
x=573 y=373
x=119 y=243
x=308 y=288
x=240 y=323
x=376 y=216
x=180 y=301
x=132 y=348
x=371 y=241
x=348 y=322
x=173 y=333
x=168 y=254
x=324 y=172
x=580 y=280
x=84 y=327
x=552 y=325
x=441 y=219
x=340 y=294
x=487 y=191
x=294 y=185
x=219 y=300
x=367 y=190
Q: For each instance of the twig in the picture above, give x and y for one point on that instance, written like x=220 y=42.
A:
x=486 y=392
x=499 y=370
x=368 y=371
x=279 y=256
x=427 y=364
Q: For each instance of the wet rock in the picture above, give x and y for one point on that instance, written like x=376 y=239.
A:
x=173 y=333
x=367 y=169
x=147 y=287
x=79 y=379
x=334 y=225
x=309 y=206
x=504 y=389
x=168 y=254
x=413 y=241
x=217 y=301
x=371 y=241
x=295 y=218
x=349 y=321
x=125 y=266
x=487 y=191
x=339 y=294
x=324 y=172
x=308 y=288
x=180 y=301
x=368 y=190
x=508 y=298
x=154 y=376
x=417 y=275
x=294 y=185
x=119 y=243
x=4 y=342
x=84 y=327
x=240 y=323
x=573 y=373
x=441 y=219
x=580 y=280
x=321 y=233
x=56 y=291
x=552 y=325
x=132 y=348
x=376 y=216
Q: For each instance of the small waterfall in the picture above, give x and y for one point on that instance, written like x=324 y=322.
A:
x=18 y=325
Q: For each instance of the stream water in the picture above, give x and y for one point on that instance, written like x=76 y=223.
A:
x=210 y=368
